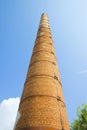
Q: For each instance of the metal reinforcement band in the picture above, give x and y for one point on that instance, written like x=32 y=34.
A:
x=58 y=98
x=40 y=75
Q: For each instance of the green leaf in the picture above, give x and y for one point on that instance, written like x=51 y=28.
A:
x=81 y=122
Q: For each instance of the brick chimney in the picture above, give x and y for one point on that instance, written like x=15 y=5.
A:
x=42 y=105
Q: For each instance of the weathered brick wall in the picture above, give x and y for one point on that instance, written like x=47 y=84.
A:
x=39 y=111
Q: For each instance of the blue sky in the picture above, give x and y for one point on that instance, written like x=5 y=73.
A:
x=19 y=21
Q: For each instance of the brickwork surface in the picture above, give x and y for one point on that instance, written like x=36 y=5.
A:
x=42 y=102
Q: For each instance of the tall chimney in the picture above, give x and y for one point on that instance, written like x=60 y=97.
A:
x=42 y=105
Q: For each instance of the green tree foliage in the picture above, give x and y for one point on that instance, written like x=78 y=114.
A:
x=81 y=122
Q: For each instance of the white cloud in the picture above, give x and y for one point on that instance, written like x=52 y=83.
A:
x=8 y=112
